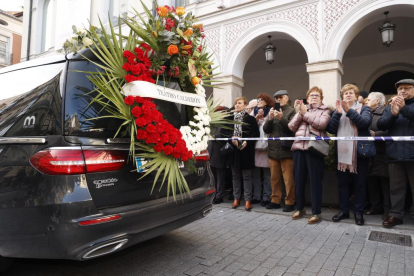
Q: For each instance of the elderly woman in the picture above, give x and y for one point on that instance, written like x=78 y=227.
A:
x=311 y=118
x=261 y=113
x=378 y=177
x=243 y=157
x=350 y=119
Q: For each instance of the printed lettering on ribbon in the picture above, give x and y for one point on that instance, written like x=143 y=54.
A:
x=150 y=90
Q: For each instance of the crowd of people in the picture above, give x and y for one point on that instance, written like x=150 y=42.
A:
x=378 y=172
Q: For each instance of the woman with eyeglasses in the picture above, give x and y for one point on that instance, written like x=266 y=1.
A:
x=261 y=113
x=311 y=118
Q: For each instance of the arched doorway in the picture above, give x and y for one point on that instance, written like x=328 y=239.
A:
x=288 y=72
x=238 y=54
x=366 y=60
x=386 y=82
x=358 y=18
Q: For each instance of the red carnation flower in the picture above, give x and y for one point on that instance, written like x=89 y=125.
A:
x=136 y=111
x=159 y=147
x=151 y=128
x=126 y=66
x=139 y=99
x=141 y=134
x=135 y=69
x=168 y=150
x=141 y=122
x=145 y=46
x=129 y=100
x=165 y=138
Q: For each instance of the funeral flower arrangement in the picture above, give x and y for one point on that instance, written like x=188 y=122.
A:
x=164 y=47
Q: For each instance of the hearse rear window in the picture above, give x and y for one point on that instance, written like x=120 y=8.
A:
x=79 y=111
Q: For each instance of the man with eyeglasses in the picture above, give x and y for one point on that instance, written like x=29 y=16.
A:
x=398 y=119
x=280 y=153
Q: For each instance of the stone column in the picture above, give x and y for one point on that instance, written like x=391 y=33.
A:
x=229 y=88
x=328 y=76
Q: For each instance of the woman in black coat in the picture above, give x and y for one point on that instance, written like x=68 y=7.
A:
x=378 y=177
x=243 y=157
x=218 y=162
x=350 y=119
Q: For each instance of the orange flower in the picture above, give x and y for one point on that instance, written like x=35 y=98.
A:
x=180 y=11
x=197 y=26
x=189 y=32
x=195 y=81
x=162 y=11
x=172 y=50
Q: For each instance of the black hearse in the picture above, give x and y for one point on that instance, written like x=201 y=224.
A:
x=60 y=197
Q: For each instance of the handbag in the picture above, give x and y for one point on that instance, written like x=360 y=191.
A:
x=262 y=144
x=227 y=149
x=366 y=149
x=319 y=147
x=287 y=144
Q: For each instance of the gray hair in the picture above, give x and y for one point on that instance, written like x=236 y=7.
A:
x=378 y=95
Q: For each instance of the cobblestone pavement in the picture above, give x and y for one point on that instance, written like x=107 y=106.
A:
x=236 y=242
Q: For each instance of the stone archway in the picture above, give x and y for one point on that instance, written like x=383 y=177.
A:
x=239 y=53
x=359 y=17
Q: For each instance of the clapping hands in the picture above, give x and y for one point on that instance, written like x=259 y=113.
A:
x=396 y=105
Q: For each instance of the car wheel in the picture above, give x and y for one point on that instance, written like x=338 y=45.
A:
x=5 y=264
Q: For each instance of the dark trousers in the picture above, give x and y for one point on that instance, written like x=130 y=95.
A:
x=379 y=194
x=304 y=163
x=401 y=173
x=220 y=181
x=359 y=181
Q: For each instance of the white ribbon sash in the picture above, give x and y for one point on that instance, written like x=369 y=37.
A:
x=151 y=90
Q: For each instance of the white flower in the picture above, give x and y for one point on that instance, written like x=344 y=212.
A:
x=192 y=124
x=200 y=133
x=206 y=138
x=200 y=125
x=204 y=109
x=196 y=109
x=207 y=129
x=197 y=117
x=87 y=41
x=200 y=90
x=82 y=31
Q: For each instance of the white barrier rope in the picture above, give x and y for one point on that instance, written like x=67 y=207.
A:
x=376 y=138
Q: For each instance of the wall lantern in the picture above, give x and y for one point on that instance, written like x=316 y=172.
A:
x=387 y=31
x=270 y=51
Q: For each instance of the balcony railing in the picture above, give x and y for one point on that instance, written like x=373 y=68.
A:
x=6 y=58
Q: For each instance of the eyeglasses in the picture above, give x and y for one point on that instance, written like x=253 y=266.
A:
x=400 y=89
x=314 y=96
x=279 y=97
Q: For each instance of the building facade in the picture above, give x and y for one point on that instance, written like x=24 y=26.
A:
x=326 y=43
x=11 y=28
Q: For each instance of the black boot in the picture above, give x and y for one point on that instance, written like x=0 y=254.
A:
x=340 y=216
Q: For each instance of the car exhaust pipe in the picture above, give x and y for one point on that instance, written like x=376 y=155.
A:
x=207 y=211
x=105 y=249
